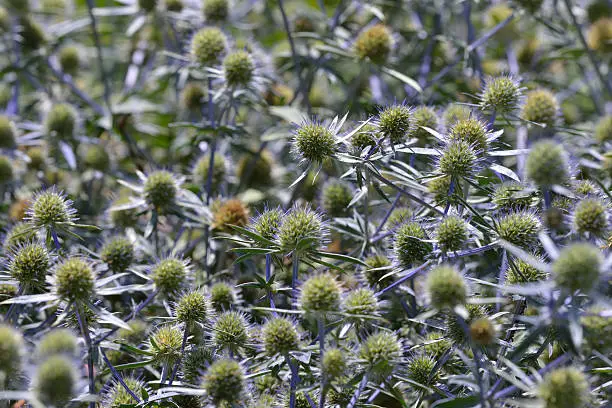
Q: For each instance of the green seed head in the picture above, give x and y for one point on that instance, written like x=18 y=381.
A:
x=200 y=171
x=590 y=217
x=301 y=230
x=208 y=45
x=501 y=94
x=336 y=198
x=420 y=370
x=59 y=341
x=165 y=344
x=520 y=228
x=8 y=133
x=320 y=294
x=61 y=122
x=398 y=216
x=314 y=142
x=458 y=160
x=482 y=332
x=6 y=170
x=472 y=131
x=597 y=330
x=451 y=233
x=446 y=287
x=231 y=331
x=231 y=212
x=603 y=130
x=365 y=137
x=541 y=107
x=118 y=254
x=238 y=68
x=454 y=113
x=32 y=34
x=224 y=381
x=497 y=14
x=512 y=196
x=374 y=44
x=436 y=345
x=599 y=37
x=38 y=159
x=361 y=301
x=454 y=328
x=169 y=275
x=69 y=60
x=280 y=336
x=29 y=265
x=193 y=307
x=195 y=362
x=97 y=158
x=256 y=172
x=216 y=10
x=19 y=234
x=160 y=189
x=147 y=5
x=396 y=122
x=409 y=246
x=334 y=363
x=521 y=272
x=577 y=267
x=381 y=351
x=565 y=387
x=55 y=381
x=74 y=280
x=585 y=188
x=371 y=272
x=222 y=296
x=267 y=223
x=174 y=5
x=11 y=350
x=547 y=164
x=423 y=116
x=116 y=395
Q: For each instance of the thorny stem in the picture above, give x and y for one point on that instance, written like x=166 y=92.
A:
x=387 y=215
x=90 y=359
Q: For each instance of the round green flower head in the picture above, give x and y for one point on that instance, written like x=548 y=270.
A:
x=375 y=44
x=520 y=228
x=124 y=218
x=5 y=20
x=455 y=112
x=409 y=246
x=395 y=122
x=74 y=280
x=165 y=344
x=208 y=45
x=280 y=336
x=256 y=172
x=231 y=331
x=58 y=341
x=547 y=164
x=147 y=5
x=8 y=133
x=501 y=94
x=116 y=395
x=55 y=380
x=32 y=34
x=334 y=363
x=61 y=121
x=97 y=158
x=169 y=275
x=69 y=60
x=365 y=137
x=231 y=212
x=590 y=217
x=482 y=332
x=222 y=296
x=436 y=345
x=423 y=116
x=420 y=370
x=458 y=159
x=361 y=301
x=174 y=5
x=565 y=387
x=446 y=287
x=37 y=158
x=585 y=188
x=320 y=294
x=599 y=37
x=11 y=350
x=6 y=170
x=454 y=328
x=193 y=307
x=160 y=189
x=267 y=223
x=451 y=233
x=381 y=351
x=224 y=381
x=541 y=107
x=195 y=362
x=216 y=10
x=597 y=330
x=238 y=68
x=603 y=130
x=314 y=142
x=200 y=171
x=29 y=265
x=19 y=234
x=301 y=230
x=398 y=216
x=192 y=97
x=378 y=266
x=439 y=188
x=512 y=196
x=519 y=272
x=336 y=198
x=118 y=254
x=577 y=267
x=472 y=131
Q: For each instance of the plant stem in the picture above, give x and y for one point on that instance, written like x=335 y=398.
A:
x=321 y=329
x=118 y=376
x=268 y=275
x=90 y=362
x=294 y=277
x=289 y=36
x=358 y=391
x=178 y=362
x=94 y=28
x=293 y=382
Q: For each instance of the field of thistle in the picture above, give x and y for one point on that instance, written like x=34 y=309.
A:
x=306 y=203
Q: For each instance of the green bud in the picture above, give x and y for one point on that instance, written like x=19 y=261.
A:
x=238 y=68
x=216 y=10
x=564 y=387
x=29 y=265
x=161 y=189
x=69 y=60
x=165 y=344
x=446 y=287
x=577 y=267
x=280 y=336
x=320 y=294
x=55 y=381
x=208 y=45
x=396 y=123
x=409 y=246
x=169 y=275
x=59 y=341
x=314 y=142
x=590 y=217
x=224 y=381
x=231 y=331
x=520 y=228
x=501 y=94
x=118 y=254
x=451 y=233
x=375 y=44
x=302 y=230
x=541 y=107
x=74 y=280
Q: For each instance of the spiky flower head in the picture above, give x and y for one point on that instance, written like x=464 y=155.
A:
x=195 y=362
x=280 y=336
x=8 y=133
x=61 y=121
x=597 y=329
x=231 y=331
x=32 y=33
x=37 y=158
x=267 y=223
x=230 y=212
x=118 y=254
x=165 y=344
x=458 y=159
x=192 y=97
x=520 y=228
x=585 y=188
x=6 y=170
x=334 y=363
x=378 y=266
x=396 y=122
x=361 y=301
x=547 y=164
x=420 y=369
x=512 y=196
x=501 y=94
x=381 y=351
x=423 y=116
x=320 y=294
x=174 y=5
x=256 y=171
x=599 y=36
x=455 y=112
x=160 y=189
x=238 y=68
x=565 y=387
x=147 y=5
x=451 y=233
x=365 y=137
x=439 y=187
x=472 y=131
x=436 y=344
x=193 y=307
x=69 y=60
x=302 y=230
x=446 y=287
x=375 y=44
x=97 y=158
x=519 y=272
x=336 y=198
x=169 y=275
x=482 y=332
x=591 y=217
x=224 y=381
x=409 y=246
x=29 y=264
x=577 y=267
x=58 y=341
x=55 y=380
x=603 y=129
x=541 y=107
x=314 y=142
x=11 y=350
x=74 y=280
x=208 y=45
x=454 y=327
x=201 y=168
x=222 y=296
x=116 y=395
x=19 y=234
x=216 y=10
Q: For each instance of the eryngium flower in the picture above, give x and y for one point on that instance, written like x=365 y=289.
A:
x=409 y=246
x=519 y=272
x=565 y=387
x=423 y=116
x=118 y=254
x=482 y=332
x=215 y=10
x=222 y=296
x=541 y=107
x=590 y=217
x=446 y=287
x=29 y=264
x=224 y=381
x=201 y=168
x=11 y=350
x=231 y=212
x=361 y=301
x=8 y=133
x=501 y=94
x=455 y=330
x=69 y=60
x=577 y=267
x=378 y=266
x=165 y=344
x=512 y=196
x=381 y=352
x=302 y=230
x=192 y=98
x=6 y=170
x=314 y=142
x=238 y=68
x=599 y=36
x=334 y=363
x=58 y=341
x=267 y=223
x=603 y=130
x=49 y=209
x=231 y=331
x=74 y=280
x=451 y=233
x=375 y=44
x=336 y=198
x=169 y=275
x=472 y=131
x=55 y=380
x=547 y=164
x=147 y=5
x=420 y=369
x=320 y=294
x=520 y=228
x=160 y=190
x=208 y=45
x=395 y=122
x=458 y=159
x=61 y=121
x=455 y=112
x=280 y=336
x=193 y=307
